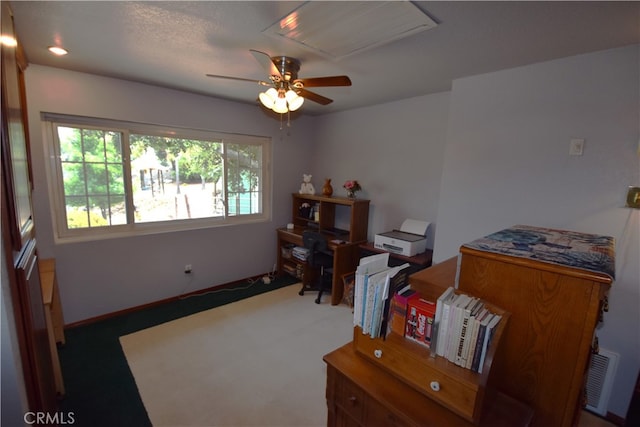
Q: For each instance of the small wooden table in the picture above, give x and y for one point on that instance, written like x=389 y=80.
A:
x=53 y=315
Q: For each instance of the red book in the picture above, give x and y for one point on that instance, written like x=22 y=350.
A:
x=398 y=310
x=420 y=315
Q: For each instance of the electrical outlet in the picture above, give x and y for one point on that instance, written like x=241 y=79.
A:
x=187 y=269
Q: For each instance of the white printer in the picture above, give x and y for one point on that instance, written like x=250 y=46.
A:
x=410 y=240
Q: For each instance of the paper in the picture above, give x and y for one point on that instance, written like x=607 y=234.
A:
x=373 y=264
x=415 y=226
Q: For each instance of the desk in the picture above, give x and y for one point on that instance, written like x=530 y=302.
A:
x=53 y=315
x=345 y=259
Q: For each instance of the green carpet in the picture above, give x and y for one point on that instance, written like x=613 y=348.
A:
x=100 y=389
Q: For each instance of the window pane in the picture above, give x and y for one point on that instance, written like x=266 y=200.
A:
x=175 y=178
x=73 y=176
x=70 y=144
x=113 y=147
x=244 y=172
x=90 y=183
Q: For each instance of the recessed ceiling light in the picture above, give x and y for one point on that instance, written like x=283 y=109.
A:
x=56 y=50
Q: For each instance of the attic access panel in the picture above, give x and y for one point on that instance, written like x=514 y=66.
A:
x=338 y=29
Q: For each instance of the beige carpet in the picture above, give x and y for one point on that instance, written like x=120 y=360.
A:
x=256 y=362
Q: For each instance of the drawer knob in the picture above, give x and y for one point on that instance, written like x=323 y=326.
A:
x=377 y=353
x=435 y=385
x=353 y=400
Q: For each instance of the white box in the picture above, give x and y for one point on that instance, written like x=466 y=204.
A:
x=410 y=240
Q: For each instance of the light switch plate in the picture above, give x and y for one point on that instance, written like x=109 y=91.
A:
x=633 y=197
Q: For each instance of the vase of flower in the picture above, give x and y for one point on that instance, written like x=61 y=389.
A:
x=327 y=189
x=352 y=186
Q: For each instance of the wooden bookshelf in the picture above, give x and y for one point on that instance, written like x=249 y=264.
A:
x=459 y=389
x=345 y=243
x=327 y=207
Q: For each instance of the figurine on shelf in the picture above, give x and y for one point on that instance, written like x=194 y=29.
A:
x=307 y=187
x=327 y=189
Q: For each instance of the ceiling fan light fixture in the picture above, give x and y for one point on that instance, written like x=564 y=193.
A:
x=268 y=98
x=280 y=106
x=294 y=100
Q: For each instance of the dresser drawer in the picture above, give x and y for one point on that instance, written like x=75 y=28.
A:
x=349 y=397
x=456 y=388
x=379 y=416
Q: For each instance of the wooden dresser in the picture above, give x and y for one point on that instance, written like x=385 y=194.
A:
x=361 y=394
x=395 y=382
x=555 y=305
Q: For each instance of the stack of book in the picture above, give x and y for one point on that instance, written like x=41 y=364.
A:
x=457 y=326
x=300 y=253
x=375 y=285
x=463 y=326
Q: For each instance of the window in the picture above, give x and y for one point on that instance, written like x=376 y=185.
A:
x=113 y=178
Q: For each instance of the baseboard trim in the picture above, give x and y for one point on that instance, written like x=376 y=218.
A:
x=615 y=419
x=129 y=310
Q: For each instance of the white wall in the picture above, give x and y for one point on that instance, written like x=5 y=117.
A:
x=109 y=275
x=395 y=151
x=507 y=163
x=489 y=154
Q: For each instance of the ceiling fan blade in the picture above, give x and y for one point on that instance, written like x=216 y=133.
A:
x=312 y=96
x=325 y=81
x=265 y=60
x=260 y=82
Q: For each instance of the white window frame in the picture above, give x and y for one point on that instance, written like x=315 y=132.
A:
x=63 y=234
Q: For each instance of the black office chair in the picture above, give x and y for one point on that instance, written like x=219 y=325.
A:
x=320 y=260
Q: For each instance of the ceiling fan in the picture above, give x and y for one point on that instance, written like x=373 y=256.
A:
x=286 y=91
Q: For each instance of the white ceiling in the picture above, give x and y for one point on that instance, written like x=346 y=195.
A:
x=174 y=44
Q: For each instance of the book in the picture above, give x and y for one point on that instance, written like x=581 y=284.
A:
x=443 y=328
x=367 y=267
x=474 y=335
x=378 y=304
x=398 y=279
x=435 y=336
x=372 y=287
x=398 y=310
x=358 y=292
x=482 y=327
x=463 y=340
x=487 y=339
x=455 y=326
x=420 y=320
x=471 y=312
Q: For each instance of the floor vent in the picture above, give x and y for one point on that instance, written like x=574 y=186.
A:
x=600 y=380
